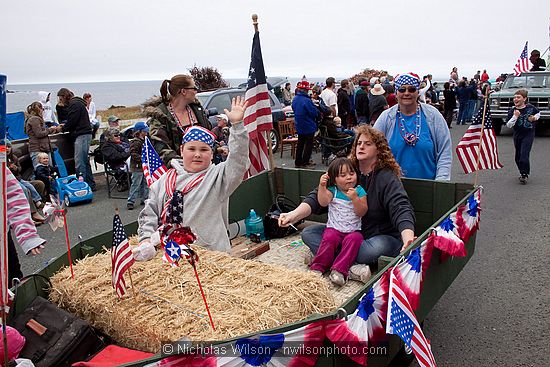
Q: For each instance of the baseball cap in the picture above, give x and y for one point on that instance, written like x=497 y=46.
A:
x=112 y=119
x=141 y=126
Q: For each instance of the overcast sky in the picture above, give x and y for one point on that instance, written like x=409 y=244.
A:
x=105 y=40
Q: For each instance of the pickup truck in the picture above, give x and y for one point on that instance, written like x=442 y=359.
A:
x=537 y=84
x=221 y=98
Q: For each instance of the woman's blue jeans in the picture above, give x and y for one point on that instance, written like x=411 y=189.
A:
x=369 y=252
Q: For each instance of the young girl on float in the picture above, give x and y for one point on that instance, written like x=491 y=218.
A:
x=205 y=187
x=347 y=203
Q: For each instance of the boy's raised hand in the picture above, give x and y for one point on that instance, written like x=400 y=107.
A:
x=238 y=106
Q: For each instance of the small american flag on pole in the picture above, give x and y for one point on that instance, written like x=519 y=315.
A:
x=121 y=256
x=257 y=117
x=523 y=62
x=469 y=146
x=151 y=163
x=402 y=321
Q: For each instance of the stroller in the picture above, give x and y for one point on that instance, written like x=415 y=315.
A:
x=333 y=144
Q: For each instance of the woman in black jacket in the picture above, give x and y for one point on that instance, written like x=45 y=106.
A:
x=115 y=154
x=388 y=226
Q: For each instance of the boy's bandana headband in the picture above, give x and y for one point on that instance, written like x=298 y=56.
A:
x=407 y=79
x=198 y=133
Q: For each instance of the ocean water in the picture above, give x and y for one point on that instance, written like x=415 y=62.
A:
x=104 y=94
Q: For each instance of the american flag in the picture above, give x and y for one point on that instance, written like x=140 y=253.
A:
x=257 y=117
x=152 y=165
x=402 y=321
x=121 y=256
x=469 y=146
x=523 y=62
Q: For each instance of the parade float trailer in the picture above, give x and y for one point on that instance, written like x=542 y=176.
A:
x=433 y=202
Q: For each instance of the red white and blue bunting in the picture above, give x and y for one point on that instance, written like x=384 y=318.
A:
x=367 y=325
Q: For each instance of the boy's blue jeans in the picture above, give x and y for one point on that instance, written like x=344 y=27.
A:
x=139 y=186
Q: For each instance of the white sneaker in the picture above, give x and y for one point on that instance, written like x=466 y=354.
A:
x=360 y=272
x=337 y=278
x=308 y=257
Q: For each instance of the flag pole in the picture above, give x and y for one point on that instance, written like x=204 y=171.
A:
x=4 y=270
x=268 y=133
x=117 y=212
x=486 y=98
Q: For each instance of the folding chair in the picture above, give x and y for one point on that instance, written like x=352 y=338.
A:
x=287 y=133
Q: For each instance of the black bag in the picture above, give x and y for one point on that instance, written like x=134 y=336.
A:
x=98 y=156
x=67 y=339
x=271 y=220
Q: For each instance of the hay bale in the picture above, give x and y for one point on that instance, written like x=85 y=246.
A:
x=244 y=297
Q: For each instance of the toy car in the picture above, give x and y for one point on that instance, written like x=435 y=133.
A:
x=70 y=188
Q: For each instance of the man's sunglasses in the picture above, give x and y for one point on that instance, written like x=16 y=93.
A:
x=407 y=89
x=194 y=88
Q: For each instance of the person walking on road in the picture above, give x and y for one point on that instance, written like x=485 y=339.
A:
x=522 y=117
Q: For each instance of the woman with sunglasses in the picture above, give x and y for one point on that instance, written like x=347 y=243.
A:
x=175 y=110
x=417 y=133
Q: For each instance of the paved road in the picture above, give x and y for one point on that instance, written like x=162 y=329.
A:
x=497 y=312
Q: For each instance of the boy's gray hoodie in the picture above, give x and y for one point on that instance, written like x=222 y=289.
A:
x=205 y=208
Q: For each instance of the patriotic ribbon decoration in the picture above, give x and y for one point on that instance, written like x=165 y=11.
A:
x=369 y=319
x=468 y=215
x=295 y=348
x=412 y=271
x=446 y=238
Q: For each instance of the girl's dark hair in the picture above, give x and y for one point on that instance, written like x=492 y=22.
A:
x=335 y=167
x=35 y=109
x=171 y=88
x=447 y=85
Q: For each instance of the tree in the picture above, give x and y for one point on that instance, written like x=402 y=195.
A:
x=208 y=78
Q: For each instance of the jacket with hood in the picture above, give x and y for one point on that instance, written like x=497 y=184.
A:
x=438 y=129
x=205 y=207
x=38 y=134
x=164 y=131
x=362 y=103
x=47 y=111
x=78 y=122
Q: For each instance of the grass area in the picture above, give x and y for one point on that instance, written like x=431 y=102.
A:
x=123 y=113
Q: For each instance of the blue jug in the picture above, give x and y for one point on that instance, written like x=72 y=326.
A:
x=254 y=225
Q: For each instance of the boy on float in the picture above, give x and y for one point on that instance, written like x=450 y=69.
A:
x=205 y=187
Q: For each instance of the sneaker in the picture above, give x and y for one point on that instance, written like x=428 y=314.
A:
x=337 y=278
x=523 y=179
x=130 y=206
x=308 y=257
x=39 y=204
x=360 y=272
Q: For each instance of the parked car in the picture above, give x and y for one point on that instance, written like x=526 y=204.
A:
x=537 y=84
x=221 y=99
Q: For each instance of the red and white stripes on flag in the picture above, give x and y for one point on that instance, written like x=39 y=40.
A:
x=469 y=146
x=151 y=163
x=257 y=117
x=523 y=62
x=121 y=256
x=402 y=321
